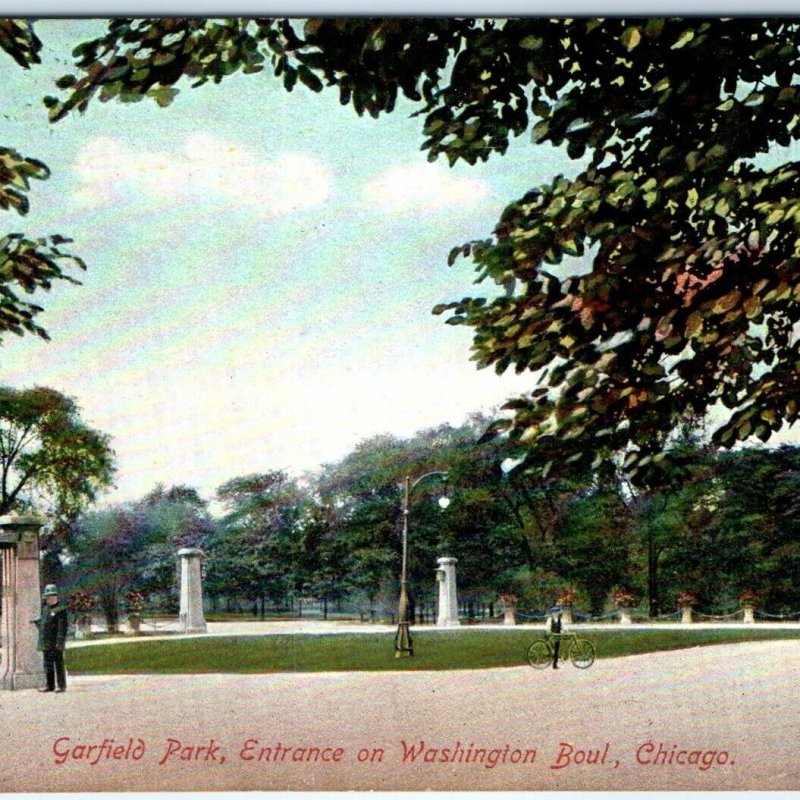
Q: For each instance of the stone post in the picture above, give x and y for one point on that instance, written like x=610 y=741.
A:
x=448 y=594
x=625 y=616
x=749 y=613
x=686 y=614
x=191 y=608
x=21 y=666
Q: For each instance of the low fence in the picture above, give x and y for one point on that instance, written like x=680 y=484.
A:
x=154 y=622
x=685 y=615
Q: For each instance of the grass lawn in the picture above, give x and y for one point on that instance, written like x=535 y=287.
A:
x=433 y=650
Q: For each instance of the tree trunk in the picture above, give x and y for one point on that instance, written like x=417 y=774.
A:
x=652 y=576
x=111 y=613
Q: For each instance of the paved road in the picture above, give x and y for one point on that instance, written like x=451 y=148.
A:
x=731 y=709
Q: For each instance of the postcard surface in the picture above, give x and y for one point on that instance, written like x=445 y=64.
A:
x=265 y=526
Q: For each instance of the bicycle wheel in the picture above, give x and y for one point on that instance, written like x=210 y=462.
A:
x=540 y=654
x=581 y=654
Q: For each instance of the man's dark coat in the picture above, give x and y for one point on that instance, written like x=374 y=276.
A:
x=53 y=627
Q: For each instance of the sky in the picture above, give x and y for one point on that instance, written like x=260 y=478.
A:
x=261 y=272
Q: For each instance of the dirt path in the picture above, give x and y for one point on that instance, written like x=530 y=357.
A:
x=734 y=706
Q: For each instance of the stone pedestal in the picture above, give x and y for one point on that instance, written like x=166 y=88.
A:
x=83 y=627
x=191 y=607
x=448 y=593
x=566 y=615
x=509 y=613
x=748 y=614
x=21 y=664
x=625 y=617
x=686 y=614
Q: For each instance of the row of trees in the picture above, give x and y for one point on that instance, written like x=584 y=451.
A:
x=720 y=523
x=716 y=523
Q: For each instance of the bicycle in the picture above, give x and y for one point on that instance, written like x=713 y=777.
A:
x=579 y=651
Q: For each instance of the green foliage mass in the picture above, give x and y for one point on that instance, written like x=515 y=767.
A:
x=49 y=458
x=107 y=552
x=27 y=264
x=132 y=547
x=721 y=523
x=253 y=548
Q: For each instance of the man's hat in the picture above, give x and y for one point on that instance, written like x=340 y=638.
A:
x=50 y=589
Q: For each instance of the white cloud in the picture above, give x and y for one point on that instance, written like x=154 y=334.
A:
x=204 y=169
x=422 y=187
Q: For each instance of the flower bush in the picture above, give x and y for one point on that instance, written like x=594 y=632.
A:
x=622 y=597
x=80 y=602
x=686 y=599
x=748 y=596
x=134 y=603
x=567 y=598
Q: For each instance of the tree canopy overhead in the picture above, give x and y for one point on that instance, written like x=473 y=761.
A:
x=656 y=283
x=26 y=265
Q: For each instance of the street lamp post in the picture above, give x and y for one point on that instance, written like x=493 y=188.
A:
x=402 y=640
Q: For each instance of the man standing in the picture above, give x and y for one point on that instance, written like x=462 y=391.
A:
x=555 y=628
x=52 y=637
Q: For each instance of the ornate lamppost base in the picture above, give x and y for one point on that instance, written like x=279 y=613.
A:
x=402 y=641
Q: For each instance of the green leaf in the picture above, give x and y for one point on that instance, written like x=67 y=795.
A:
x=531 y=43
x=662 y=85
x=289 y=78
x=163 y=95
x=684 y=39
x=654 y=27
x=752 y=307
x=694 y=325
x=775 y=216
x=309 y=78
x=540 y=131
x=744 y=430
x=631 y=38
x=727 y=302
x=66 y=81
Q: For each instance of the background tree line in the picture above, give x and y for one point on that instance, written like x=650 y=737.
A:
x=719 y=523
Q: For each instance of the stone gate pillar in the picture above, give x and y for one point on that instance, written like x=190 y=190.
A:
x=448 y=594
x=191 y=608
x=21 y=664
